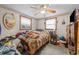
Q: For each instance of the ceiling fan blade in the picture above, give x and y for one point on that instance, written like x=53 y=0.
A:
x=36 y=13
x=43 y=6
x=34 y=7
x=49 y=10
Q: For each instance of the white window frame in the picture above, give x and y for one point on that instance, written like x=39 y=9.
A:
x=52 y=24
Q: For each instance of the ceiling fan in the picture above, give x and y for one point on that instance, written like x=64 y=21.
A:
x=43 y=9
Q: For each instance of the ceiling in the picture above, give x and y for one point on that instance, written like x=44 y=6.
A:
x=27 y=10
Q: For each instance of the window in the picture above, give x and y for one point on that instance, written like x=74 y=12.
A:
x=51 y=24
x=25 y=23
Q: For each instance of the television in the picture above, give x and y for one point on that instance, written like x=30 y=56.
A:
x=72 y=16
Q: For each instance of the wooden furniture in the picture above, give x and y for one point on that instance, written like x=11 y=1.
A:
x=73 y=37
x=71 y=40
x=77 y=37
x=67 y=34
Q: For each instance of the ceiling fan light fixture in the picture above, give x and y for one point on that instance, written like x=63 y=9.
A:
x=45 y=7
x=43 y=12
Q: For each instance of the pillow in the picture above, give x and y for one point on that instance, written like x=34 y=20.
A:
x=35 y=35
x=29 y=34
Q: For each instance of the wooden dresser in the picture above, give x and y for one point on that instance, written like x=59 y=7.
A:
x=73 y=36
x=71 y=40
x=77 y=37
x=77 y=31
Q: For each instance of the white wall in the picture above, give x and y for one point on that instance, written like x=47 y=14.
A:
x=4 y=31
x=41 y=24
x=61 y=29
x=34 y=24
x=13 y=31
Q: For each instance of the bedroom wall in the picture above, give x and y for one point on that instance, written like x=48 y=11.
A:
x=61 y=29
x=36 y=24
x=13 y=31
x=41 y=24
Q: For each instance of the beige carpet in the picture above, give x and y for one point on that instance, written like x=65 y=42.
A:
x=51 y=49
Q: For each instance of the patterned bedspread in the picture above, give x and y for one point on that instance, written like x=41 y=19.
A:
x=36 y=40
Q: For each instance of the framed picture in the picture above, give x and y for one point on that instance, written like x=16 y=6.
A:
x=9 y=20
x=25 y=23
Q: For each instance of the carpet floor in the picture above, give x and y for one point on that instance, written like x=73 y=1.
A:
x=51 y=49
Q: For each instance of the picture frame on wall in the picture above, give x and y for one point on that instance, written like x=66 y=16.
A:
x=25 y=23
x=9 y=20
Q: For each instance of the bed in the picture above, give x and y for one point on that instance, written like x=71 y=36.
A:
x=35 y=40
